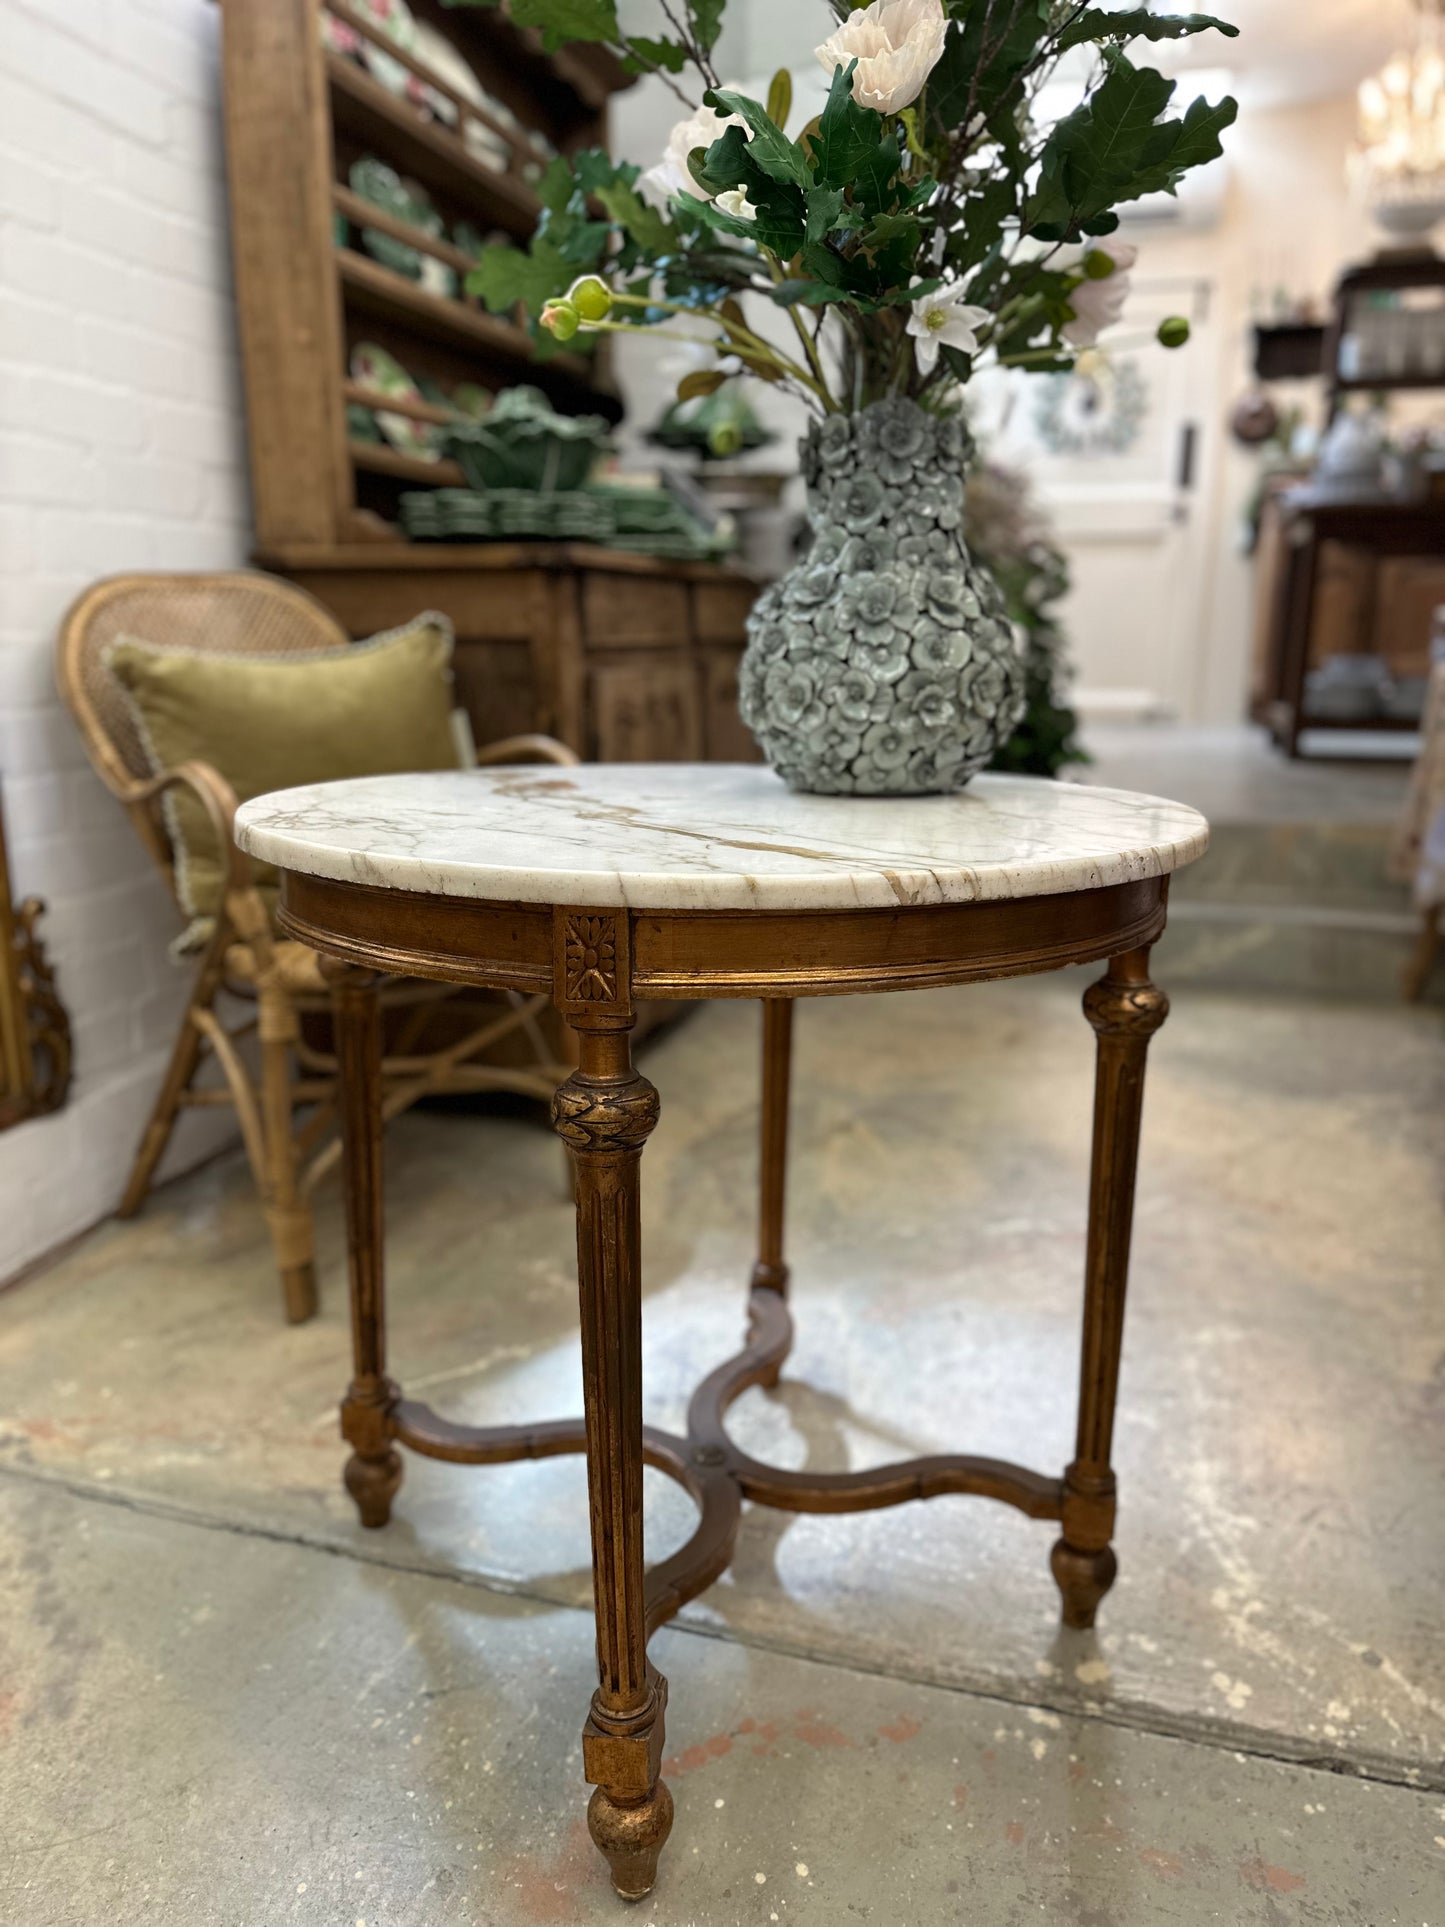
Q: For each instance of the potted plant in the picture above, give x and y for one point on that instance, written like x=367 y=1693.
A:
x=924 y=224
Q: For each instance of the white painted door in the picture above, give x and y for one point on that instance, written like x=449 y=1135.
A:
x=1120 y=453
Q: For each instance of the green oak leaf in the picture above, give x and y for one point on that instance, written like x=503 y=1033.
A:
x=854 y=147
x=890 y=242
x=556 y=186
x=1181 y=144
x=504 y=276
x=733 y=161
x=807 y=294
x=1093 y=157
x=983 y=59
x=628 y=209
x=770 y=147
x=824 y=212
x=778 y=227
x=1137 y=23
x=984 y=214
x=564 y=20
x=645 y=55
x=595 y=167
x=706 y=17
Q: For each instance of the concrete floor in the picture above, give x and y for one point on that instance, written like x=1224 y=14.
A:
x=222 y=1703
x=1235 y=775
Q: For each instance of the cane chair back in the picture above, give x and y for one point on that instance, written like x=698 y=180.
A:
x=237 y=614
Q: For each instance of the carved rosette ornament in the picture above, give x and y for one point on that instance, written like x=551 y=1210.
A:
x=591 y=960
x=883 y=663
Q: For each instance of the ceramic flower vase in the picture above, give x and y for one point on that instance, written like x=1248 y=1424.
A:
x=882 y=664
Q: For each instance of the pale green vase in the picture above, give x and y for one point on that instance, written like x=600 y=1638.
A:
x=883 y=662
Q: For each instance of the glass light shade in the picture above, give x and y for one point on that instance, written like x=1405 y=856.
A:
x=1397 y=166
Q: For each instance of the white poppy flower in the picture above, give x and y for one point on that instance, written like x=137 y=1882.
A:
x=944 y=319
x=897 y=44
x=735 y=202
x=671 y=176
x=1097 y=305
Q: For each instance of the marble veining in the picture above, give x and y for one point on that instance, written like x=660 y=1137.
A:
x=670 y=836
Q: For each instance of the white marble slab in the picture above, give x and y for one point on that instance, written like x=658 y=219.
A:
x=667 y=836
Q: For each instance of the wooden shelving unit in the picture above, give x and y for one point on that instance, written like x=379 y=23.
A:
x=618 y=655
x=1350 y=576
x=1390 y=275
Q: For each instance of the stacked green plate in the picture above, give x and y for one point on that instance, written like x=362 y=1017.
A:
x=502 y=514
x=646 y=521
x=650 y=521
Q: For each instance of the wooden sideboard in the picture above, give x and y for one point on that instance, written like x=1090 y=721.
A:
x=1341 y=578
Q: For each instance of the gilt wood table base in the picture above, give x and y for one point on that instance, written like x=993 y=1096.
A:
x=401 y=887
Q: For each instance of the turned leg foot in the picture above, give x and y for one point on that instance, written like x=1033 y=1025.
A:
x=373 y=1484
x=298 y=1290
x=1082 y=1579
x=631 y=1834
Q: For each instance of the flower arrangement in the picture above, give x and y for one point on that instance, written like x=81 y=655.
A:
x=925 y=221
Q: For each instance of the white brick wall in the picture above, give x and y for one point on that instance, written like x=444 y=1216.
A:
x=120 y=448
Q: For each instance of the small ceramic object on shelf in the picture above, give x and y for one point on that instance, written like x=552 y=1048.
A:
x=1347 y=689
x=472 y=241
x=1351 y=452
x=377 y=368
x=1404 y=701
x=394 y=18
x=339 y=37
x=525 y=444
x=469 y=398
x=449 y=66
x=378 y=182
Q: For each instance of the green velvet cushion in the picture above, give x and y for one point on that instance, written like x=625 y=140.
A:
x=270 y=722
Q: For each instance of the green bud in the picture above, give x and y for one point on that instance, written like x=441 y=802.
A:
x=1174 y=331
x=1098 y=266
x=561 y=319
x=591 y=298
x=724 y=438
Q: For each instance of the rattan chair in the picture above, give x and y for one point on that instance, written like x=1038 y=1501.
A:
x=278 y=982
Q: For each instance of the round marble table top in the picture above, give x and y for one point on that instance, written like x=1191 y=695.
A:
x=713 y=836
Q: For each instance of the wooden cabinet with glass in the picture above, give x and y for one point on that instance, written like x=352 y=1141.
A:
x=621 y=656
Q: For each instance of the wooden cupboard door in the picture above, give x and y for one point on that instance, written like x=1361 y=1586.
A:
x=1409 y=590
x=721 y=609
x=634 y=611
x=726 y=735
x=647 y=712
x=1343 y=606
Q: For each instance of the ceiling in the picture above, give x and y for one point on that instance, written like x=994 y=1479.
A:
x=1297 y=50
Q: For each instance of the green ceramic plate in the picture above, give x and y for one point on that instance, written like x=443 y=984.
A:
x=378 y=368
x=375 y=181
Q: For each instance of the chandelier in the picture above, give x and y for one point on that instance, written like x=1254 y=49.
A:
x=1397 y=166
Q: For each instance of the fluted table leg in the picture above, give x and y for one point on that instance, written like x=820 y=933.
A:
x=605 y=1112
x=1125 y=1009
x=373 y=1472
